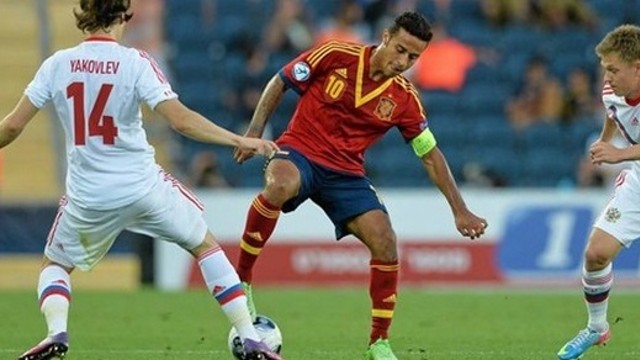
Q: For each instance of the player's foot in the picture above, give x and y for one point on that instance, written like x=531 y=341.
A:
x=585 y=339
x=380 y=350
x=258 y=350
x=252 y=307
x=52 y=347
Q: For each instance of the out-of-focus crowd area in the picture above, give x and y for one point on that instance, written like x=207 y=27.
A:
x=511 y=87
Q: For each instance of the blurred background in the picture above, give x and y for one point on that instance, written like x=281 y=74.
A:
x=512 y=93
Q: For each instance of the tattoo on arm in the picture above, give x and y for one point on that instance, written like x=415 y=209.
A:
x=255 y=129
x=271 y=97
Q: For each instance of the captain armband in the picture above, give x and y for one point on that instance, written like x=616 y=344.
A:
x=423 y=143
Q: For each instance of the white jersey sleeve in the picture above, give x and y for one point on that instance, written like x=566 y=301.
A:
x=152 y=86
x=626 y=115
x=39 y=90
x=96 y=89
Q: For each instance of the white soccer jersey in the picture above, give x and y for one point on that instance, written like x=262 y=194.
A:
x=627 y=117
x=96 y=89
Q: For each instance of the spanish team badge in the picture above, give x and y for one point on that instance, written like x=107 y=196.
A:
x=385 y=108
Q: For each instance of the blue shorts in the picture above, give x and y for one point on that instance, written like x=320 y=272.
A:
x=341 y=196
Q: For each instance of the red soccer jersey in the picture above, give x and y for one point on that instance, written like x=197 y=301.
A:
x=341 y=111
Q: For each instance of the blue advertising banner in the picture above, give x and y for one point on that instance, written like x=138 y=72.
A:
x=544 y=240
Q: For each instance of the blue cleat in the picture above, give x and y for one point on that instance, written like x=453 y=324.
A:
x=586 y=338
x=52 y=347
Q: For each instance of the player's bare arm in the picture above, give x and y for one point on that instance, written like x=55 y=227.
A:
x=467 y=223
x=269 y=100
x=197 y=127
x=13 y=124
x=609 y=129
x=604 y=152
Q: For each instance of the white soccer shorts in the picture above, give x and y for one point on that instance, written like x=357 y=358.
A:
x=171 y=212
x=621 y=217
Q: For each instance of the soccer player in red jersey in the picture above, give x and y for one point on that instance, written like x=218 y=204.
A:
x=350 y=96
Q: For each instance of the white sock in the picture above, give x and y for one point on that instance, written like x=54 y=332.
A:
x=597 y=285
x=224 y=284
x=54 y=294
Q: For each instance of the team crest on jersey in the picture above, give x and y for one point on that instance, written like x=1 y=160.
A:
x=385 y=108
x=301 y=71
x=612 y=215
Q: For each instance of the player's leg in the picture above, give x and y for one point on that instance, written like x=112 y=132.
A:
x=282 y=182
x=597 y=279
x=354 y=207
x=617 y=227
x=171 y=212
x=54 y=294
x=374 y=229
x=224 y=285
x=79 y=238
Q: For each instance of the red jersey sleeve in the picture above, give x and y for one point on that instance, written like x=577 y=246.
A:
x=311 y=64
x=413 y=118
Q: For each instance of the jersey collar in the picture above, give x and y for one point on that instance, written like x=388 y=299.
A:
x=362 y=77
x=99 y=38
x=632 y=102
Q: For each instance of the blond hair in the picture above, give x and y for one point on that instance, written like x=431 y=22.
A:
x=623 y=41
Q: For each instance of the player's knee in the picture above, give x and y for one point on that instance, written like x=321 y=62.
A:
x=206 y=245
x=386 y=254
x=596 y=260
x=277 y=192
x=46 y=262
x=384 y=247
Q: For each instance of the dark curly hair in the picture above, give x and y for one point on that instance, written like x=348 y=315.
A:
x=101 y=14
x=413 y=23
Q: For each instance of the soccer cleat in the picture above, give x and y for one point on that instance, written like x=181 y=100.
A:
x=252 y=307
x=380 y=350
x=258 y=350
x=52 y=347
x=585 y=339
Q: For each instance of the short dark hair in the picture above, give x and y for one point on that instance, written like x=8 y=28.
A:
x=101 y=14
x=413 y=23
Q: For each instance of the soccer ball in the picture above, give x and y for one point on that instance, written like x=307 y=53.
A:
x=268 y=331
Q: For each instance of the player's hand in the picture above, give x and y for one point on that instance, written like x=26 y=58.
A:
x=249 y=147
x=603 y=152
x=471 y=226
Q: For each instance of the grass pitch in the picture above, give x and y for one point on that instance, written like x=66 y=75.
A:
x=325 y=324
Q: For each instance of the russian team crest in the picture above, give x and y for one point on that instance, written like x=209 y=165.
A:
x=385 y=108
x=612 y=215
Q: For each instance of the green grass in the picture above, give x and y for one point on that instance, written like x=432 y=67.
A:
x=324 y=324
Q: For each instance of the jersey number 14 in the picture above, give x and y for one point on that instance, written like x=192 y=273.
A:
x=98 y=123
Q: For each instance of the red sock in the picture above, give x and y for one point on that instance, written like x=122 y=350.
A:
x=382 y=290
x=261 y=220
